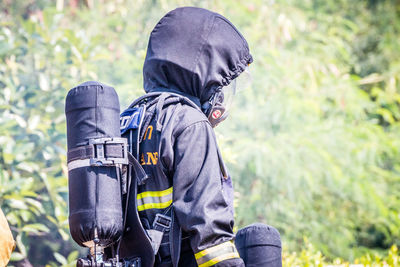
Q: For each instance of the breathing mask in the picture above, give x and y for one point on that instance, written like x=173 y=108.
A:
x=217 y=107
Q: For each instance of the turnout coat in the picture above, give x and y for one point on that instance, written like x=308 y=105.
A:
x=192 y=52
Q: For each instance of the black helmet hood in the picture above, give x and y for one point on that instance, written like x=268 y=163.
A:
x=194 y=51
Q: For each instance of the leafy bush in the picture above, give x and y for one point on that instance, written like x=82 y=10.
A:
x=311 y=257
x=312 y=147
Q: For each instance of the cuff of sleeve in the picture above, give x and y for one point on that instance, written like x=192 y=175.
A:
x=219 y=255
x=236 y=262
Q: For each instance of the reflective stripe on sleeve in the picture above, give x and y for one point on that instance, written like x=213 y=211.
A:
x=154 y=199
x=215 y=254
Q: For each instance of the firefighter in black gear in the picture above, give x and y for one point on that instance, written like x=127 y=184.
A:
x=193 y=58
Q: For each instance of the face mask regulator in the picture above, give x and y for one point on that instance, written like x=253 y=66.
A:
x=217 y=107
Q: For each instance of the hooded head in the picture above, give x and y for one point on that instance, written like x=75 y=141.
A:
x=195 y=52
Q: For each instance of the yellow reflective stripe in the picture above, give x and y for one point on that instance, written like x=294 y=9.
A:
x=218 y=253
x=212 y=249
x=154 y=199
x=154 y=205
x=155 y=193
x=220 y=258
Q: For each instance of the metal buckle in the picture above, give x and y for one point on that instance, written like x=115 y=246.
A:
x=99 y=158
x=162 y=221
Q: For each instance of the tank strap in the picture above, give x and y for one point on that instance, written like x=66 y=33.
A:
x=99 y=152
x=137 y=169
x=90 y=151
x=105 y=152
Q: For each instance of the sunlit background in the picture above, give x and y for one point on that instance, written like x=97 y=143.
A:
x=312 y=146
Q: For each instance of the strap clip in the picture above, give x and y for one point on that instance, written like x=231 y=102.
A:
x=162 y=222
x=99 y=146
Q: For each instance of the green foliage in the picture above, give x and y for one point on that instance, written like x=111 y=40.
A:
x=33 y=78
x=312 y=147
x=311 y=257
x=311 y=153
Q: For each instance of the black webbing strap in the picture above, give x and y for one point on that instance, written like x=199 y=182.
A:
x=88 y=151
x=137 y=169
x=104 y=151
x=161 y=224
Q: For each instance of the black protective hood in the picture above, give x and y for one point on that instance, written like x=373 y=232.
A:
x=194 y=51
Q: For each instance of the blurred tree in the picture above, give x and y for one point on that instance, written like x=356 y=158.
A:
x=312 y=147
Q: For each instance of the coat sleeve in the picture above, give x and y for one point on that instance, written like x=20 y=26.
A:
x=200 y=206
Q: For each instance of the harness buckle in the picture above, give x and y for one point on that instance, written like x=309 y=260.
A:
x=162 y=222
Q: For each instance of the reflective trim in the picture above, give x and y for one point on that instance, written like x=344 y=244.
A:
x=155 y=193
x=79 y=163
x=154 y=199
x=216 y=254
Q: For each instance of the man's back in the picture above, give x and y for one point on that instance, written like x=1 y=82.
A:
x=194 y=53
x=179 y=153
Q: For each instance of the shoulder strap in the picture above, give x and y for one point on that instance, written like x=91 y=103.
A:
x=180 y=98
x=161 y=224
x=155 y=101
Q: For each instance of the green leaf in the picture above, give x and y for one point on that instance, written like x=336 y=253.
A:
x=35 y=228
x=73 y=256
x=21 y=246
x=16 y=256
x=60 y=258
